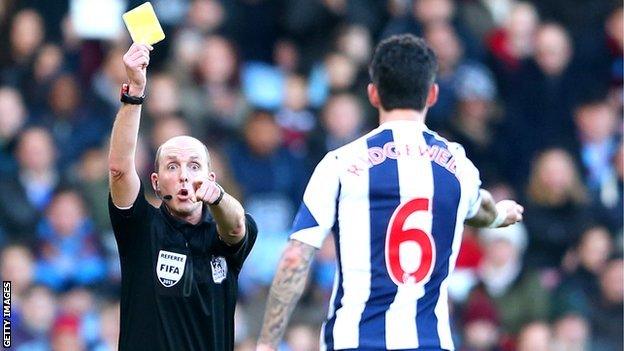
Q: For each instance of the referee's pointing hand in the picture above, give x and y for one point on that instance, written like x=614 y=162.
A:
x=207 y=191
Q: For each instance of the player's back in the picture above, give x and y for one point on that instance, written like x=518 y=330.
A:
x=401 y=194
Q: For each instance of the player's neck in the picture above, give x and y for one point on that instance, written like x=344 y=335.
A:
x=401 y=115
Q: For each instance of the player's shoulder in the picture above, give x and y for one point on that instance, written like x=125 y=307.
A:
x=463 y=164
x=352 y=148
x=453 y=147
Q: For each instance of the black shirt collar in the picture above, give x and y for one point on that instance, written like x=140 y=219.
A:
x=182 y=224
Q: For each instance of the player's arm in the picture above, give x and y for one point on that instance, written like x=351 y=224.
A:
x=123 y=178
x=495 y=215
x=228 y=213
x=316 y=217
x=286 y=289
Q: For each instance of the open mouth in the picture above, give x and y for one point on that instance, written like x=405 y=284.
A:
x=183 y=192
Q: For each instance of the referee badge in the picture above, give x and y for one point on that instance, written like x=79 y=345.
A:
x=219 y=269
x=170 y=267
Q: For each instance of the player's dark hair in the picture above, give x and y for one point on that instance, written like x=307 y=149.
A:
x=403 y=68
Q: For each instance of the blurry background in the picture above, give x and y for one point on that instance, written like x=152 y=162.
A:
x=533 y=90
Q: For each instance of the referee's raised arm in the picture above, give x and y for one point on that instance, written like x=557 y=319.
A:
x=123 y=178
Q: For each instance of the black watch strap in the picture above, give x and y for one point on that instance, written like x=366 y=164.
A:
x=221 y=193
x=128 y=99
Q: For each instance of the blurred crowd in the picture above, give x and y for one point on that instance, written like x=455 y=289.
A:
x=532 y=90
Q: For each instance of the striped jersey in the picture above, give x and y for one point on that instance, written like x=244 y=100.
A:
x=395 y=200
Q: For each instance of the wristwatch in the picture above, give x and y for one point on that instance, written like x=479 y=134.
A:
x=221 y=193
x=128 y=99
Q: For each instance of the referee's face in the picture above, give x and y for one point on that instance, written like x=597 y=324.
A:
x=182 y=162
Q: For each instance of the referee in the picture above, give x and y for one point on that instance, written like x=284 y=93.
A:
x=179 y=262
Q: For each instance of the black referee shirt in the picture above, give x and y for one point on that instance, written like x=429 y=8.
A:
x=178 y=280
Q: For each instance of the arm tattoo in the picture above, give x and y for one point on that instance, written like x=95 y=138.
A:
x=286 y=290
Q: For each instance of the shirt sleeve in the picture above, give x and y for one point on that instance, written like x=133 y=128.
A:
x=470 y=180
x=130 y=225
x=317 y=213
x=238 y=253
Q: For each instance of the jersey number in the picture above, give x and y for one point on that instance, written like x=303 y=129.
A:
x=410 y=253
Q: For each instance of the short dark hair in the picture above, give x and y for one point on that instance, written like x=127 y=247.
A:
x=403 y=68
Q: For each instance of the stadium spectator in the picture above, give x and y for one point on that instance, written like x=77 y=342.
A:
x=426 y=13
x=557 y=209
x=17 y=265
x=476 y=123
x=37 y=315
x=606 y=321
x=609 y=196
x=516 y=291
x=355 y=42
x=597 y=128
x=25 y=38
x=109 y=327
x=340 y=123
x=66 y=334
x=74 y=124
x=80 y=303
x=270 y=179
x=29 y=189
x=93 y=184
x=584 y=20
x=166 y=98
x=216 y=97
x=536 y=336
x=261 y=157
x=13 y=115
x=615 y=52
x=341 y=72
x=541 y=101
x=165 y=128
x=481 y=331
x=311 y=23
x=450 y=54
x=69 y=252
x=581 y=285
x=286 y=56
x=301 y=337
x=571 y=333
x=511 y=43
x=294 y=117
x=482 y=16
x=47 y=64
x=106 y=80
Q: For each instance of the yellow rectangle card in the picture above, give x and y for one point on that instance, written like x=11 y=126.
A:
x=143 y=25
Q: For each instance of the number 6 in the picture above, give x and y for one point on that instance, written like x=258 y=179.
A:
x=401 y=244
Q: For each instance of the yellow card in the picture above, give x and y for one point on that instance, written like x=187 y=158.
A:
x=143 y=25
